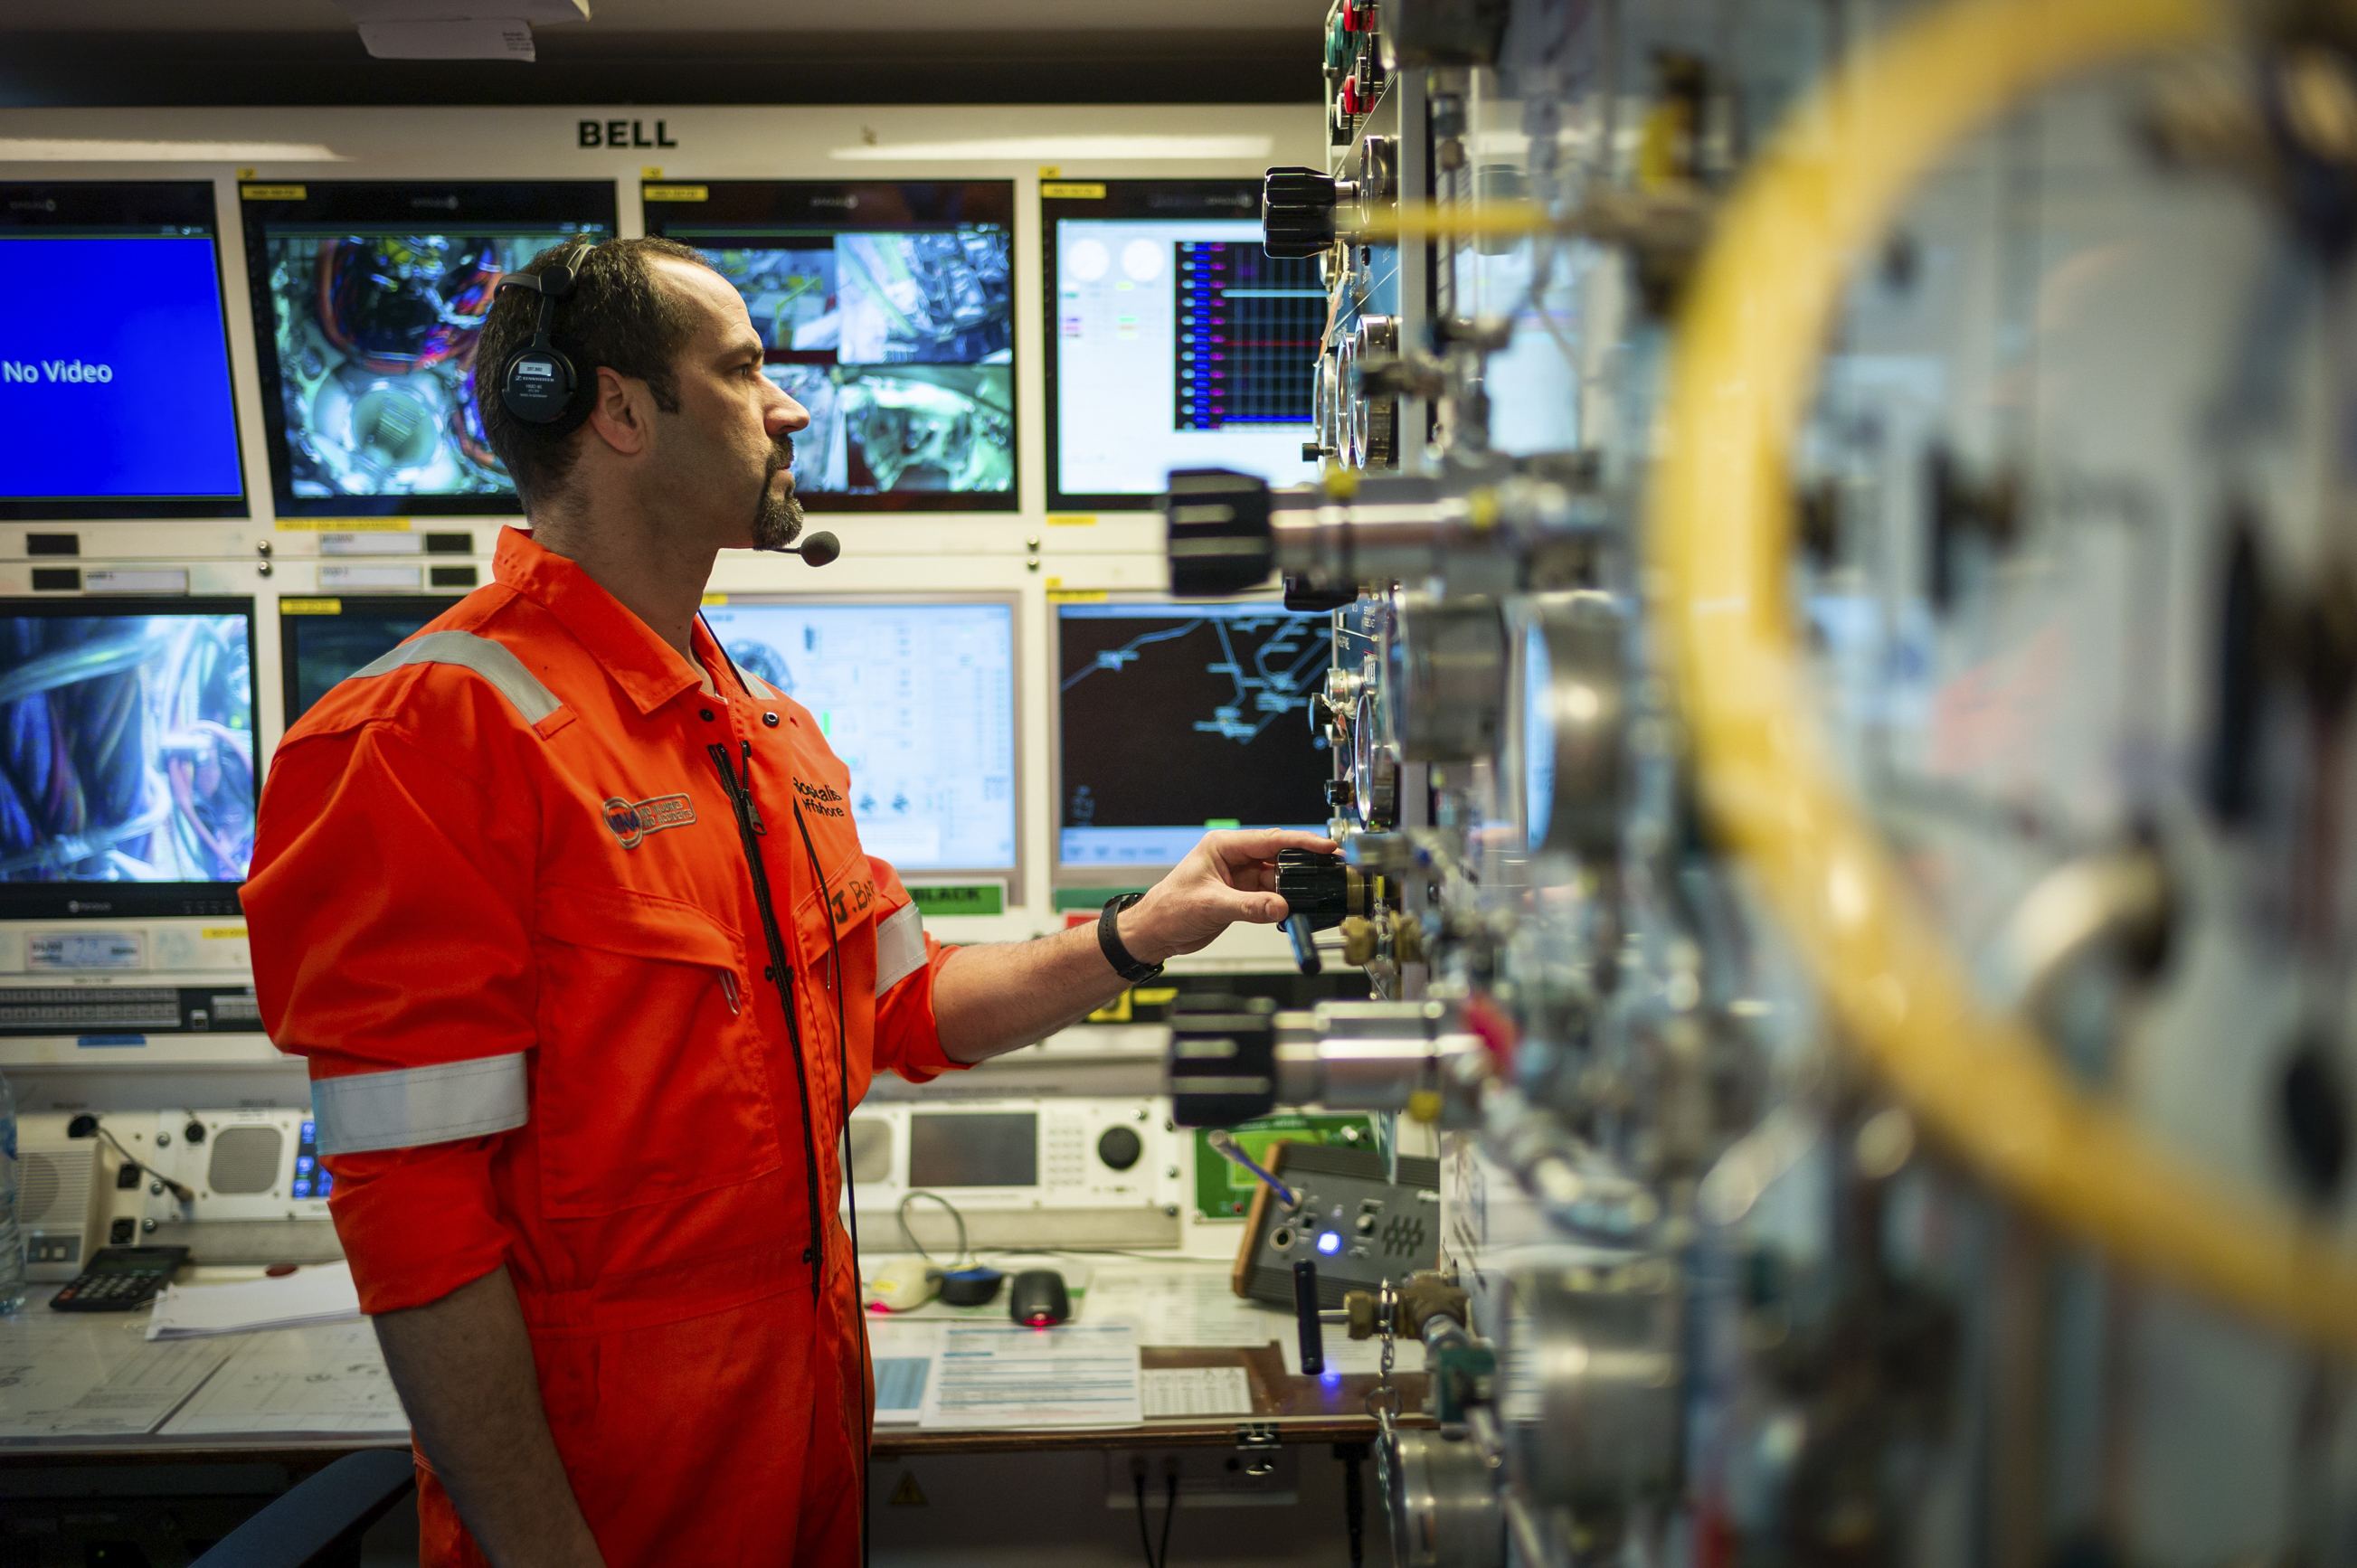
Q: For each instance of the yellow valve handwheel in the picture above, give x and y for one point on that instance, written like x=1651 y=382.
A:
x=1720 y=532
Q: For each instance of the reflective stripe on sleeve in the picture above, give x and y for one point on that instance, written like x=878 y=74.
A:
x=494 y=661
x=410 y=1107
x=900 y=947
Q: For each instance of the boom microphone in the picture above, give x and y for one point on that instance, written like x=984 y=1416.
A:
x=818 y=549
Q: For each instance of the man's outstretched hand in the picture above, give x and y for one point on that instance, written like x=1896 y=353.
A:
x=1228 y=878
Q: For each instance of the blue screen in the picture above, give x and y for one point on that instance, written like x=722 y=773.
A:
x=114 y=370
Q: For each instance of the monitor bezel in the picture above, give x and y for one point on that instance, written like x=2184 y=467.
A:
x=755 y=207
x=22 y=901
x=1140 y=198
x=388 y=206
x=1012 y=876
x=1072 y=875
x=80 y=203
x=343 y=597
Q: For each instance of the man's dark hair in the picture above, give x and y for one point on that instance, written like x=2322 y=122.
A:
x=619 y=315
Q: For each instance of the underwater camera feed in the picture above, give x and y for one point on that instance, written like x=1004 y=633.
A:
x=127 y=747
x=376 y=343
x=900 y=346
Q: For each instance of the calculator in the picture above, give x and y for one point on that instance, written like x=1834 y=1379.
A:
x=120 y=1278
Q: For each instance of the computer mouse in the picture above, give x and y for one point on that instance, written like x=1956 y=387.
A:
x=971 y=1287
x=903 y=1286
x=1038 y=1299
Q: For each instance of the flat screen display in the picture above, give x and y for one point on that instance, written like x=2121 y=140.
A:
x=367 y=299
x=1174 y=341
x=323 y=640
x=114 y=382
x=1173 y=719
x=888 y=312
x=917 y=699
x=128 y=759
x=984 y=1149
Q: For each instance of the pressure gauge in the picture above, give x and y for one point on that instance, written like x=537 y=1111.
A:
x=1568 y=749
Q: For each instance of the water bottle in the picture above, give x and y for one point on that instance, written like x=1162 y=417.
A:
x=12 y=1236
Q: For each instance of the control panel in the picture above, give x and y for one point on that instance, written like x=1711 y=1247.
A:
x=1357 y=1226
x=237 y=1164
x=1023 y=1171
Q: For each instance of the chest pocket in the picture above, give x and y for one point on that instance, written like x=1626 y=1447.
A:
x=649 y=1085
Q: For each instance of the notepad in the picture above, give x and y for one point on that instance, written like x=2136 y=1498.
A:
x=319 y=1293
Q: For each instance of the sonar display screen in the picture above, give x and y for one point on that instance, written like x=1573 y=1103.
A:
x=126 y=743
x=114 y=379
x=885 y=311
x=1176 y=719
x=370 y=299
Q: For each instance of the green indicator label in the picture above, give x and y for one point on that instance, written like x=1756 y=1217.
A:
x=973 y=899
x=1223 y=1189
x=1224 y=821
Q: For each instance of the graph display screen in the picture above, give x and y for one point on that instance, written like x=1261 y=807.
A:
x=367 y=299
x=1175 y=718
x=321 y=641
x=114 y=385
x=917 y=698
x=126 y=751
x=888 y=312
x=1175 y=341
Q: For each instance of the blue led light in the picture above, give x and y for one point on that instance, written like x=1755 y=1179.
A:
x=1330 y=1243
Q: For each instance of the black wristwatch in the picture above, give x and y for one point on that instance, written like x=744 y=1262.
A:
x=1125 y=964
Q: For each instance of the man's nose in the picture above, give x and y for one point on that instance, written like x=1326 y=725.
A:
x=784 y=415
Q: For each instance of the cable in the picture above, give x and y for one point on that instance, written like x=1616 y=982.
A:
x=88 y=1125
x=1354 y=1498
x=1145 y=1540
x=1169 y=1511
x=965 y=1252
x=1756 y=315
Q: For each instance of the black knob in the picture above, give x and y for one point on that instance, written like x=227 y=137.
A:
x=1339 y=792
x=1219 y=537
x=1303 y=595
x=1297 y=212
x=1222 y=1059
x=194 y=1131
x=1315 y=885
x=1119 y=1147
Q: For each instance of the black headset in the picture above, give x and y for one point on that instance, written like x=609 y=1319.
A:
x=538 y=384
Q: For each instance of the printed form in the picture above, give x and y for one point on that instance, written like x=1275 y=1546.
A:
x=1077 y=1375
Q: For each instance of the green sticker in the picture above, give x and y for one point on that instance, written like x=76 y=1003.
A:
x=970 y=899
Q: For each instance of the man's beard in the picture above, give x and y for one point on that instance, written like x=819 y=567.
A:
x=777 y=520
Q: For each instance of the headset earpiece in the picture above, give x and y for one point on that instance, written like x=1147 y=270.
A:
x=538 y=384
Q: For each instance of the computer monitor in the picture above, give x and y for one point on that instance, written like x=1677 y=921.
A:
x=322 y=640
x=128 y=760
x=888 y=310
x=917 y=697
x=367 y=299
x=1175 y=718
x=114 y=386
x=1174 y=341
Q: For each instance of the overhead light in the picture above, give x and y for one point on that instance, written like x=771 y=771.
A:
x=127 y=150
x=1060 y=149
x=456 y=29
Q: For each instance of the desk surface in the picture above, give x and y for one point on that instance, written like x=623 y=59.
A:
x=90 y=1387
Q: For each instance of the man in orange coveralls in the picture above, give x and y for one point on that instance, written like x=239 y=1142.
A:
x=572 y=920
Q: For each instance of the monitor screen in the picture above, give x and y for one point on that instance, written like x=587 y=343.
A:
x=115 y=387
x=367 y=299
x=888 y=312
x=127 y=762
x=917 y=699
x=322 y=640
x=1175 y=718
x=1174 y=341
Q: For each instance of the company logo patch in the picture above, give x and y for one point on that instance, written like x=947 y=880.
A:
x=632 y=821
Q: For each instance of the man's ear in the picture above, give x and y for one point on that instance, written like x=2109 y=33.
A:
x=618 y=414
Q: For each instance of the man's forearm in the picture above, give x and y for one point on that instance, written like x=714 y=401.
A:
x=464 y=1368
x=991 y=999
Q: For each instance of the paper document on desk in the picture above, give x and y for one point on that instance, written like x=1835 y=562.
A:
x=1176 y=1392
x=902 y=1356
x=65 y=1375
x=1079 y=1375
x=317 y=1292
x=309 y=1381
x=1182 y=1307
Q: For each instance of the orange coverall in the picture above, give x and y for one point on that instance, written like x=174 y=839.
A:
x=503 y=902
